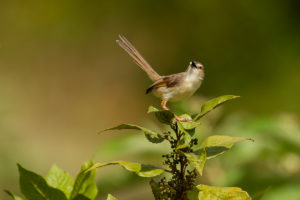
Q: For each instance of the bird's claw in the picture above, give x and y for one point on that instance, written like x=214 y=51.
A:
x=180 y=119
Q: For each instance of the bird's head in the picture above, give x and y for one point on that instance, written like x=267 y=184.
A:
x=195 y=68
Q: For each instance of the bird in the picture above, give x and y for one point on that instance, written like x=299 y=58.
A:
x=174 y=87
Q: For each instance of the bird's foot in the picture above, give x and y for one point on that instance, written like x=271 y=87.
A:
x=181 y=119
x=177 y=118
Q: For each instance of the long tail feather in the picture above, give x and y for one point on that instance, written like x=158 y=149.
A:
x=138 y=58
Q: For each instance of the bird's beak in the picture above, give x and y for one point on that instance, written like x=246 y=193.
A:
x=193 y=64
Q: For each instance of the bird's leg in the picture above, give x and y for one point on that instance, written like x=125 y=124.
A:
x=165 y=107
x=164 y=104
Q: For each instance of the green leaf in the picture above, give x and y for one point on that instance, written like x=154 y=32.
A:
x=155 y=188
x=188 y=130
x=185 y=138
x=60 y=179
x=218 y=144
x=81 y=197
x=212 y=104
x=85 y=183
x=197 y=160
x=190 y=125
x=139 y=169
x=111 y=197
x=150 y=135
x=221 y=193
x=33 y=186
x=192 y=194
x=164 y=116
x=15 y=197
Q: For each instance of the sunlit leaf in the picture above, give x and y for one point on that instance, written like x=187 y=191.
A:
x=185 y=138
x=156 y=191
x=190 y=125
x=188 y=130
x=140 y=169
x=150 y=135
x=15 y=197
x=33 y=186
x=111 y=197
x=60 y=179
x=85 y=183
x=197 y=160
x=221 y=193
x=212 y=104
x=218 y=144
x=164 y=116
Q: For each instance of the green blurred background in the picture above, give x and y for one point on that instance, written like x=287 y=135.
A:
x=63 y=78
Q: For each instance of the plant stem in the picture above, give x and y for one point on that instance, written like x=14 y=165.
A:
x=182 y=180
x=180 y=185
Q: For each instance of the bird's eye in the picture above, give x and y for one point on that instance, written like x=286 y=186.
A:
x=200 y=67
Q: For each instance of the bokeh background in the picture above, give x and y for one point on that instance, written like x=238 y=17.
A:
x=63 y=78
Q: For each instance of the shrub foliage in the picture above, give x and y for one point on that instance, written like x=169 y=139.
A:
x=175 y=179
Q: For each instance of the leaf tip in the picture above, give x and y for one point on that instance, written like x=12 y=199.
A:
x=151 y=109
x=7 y=192
x=19 y=166
x=99 y=132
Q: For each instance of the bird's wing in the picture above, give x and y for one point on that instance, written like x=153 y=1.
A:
x=166 y=81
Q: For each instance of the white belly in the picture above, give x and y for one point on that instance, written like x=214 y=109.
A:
x=178 y=93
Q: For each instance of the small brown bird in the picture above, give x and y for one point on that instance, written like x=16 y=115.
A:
x=174 y=87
